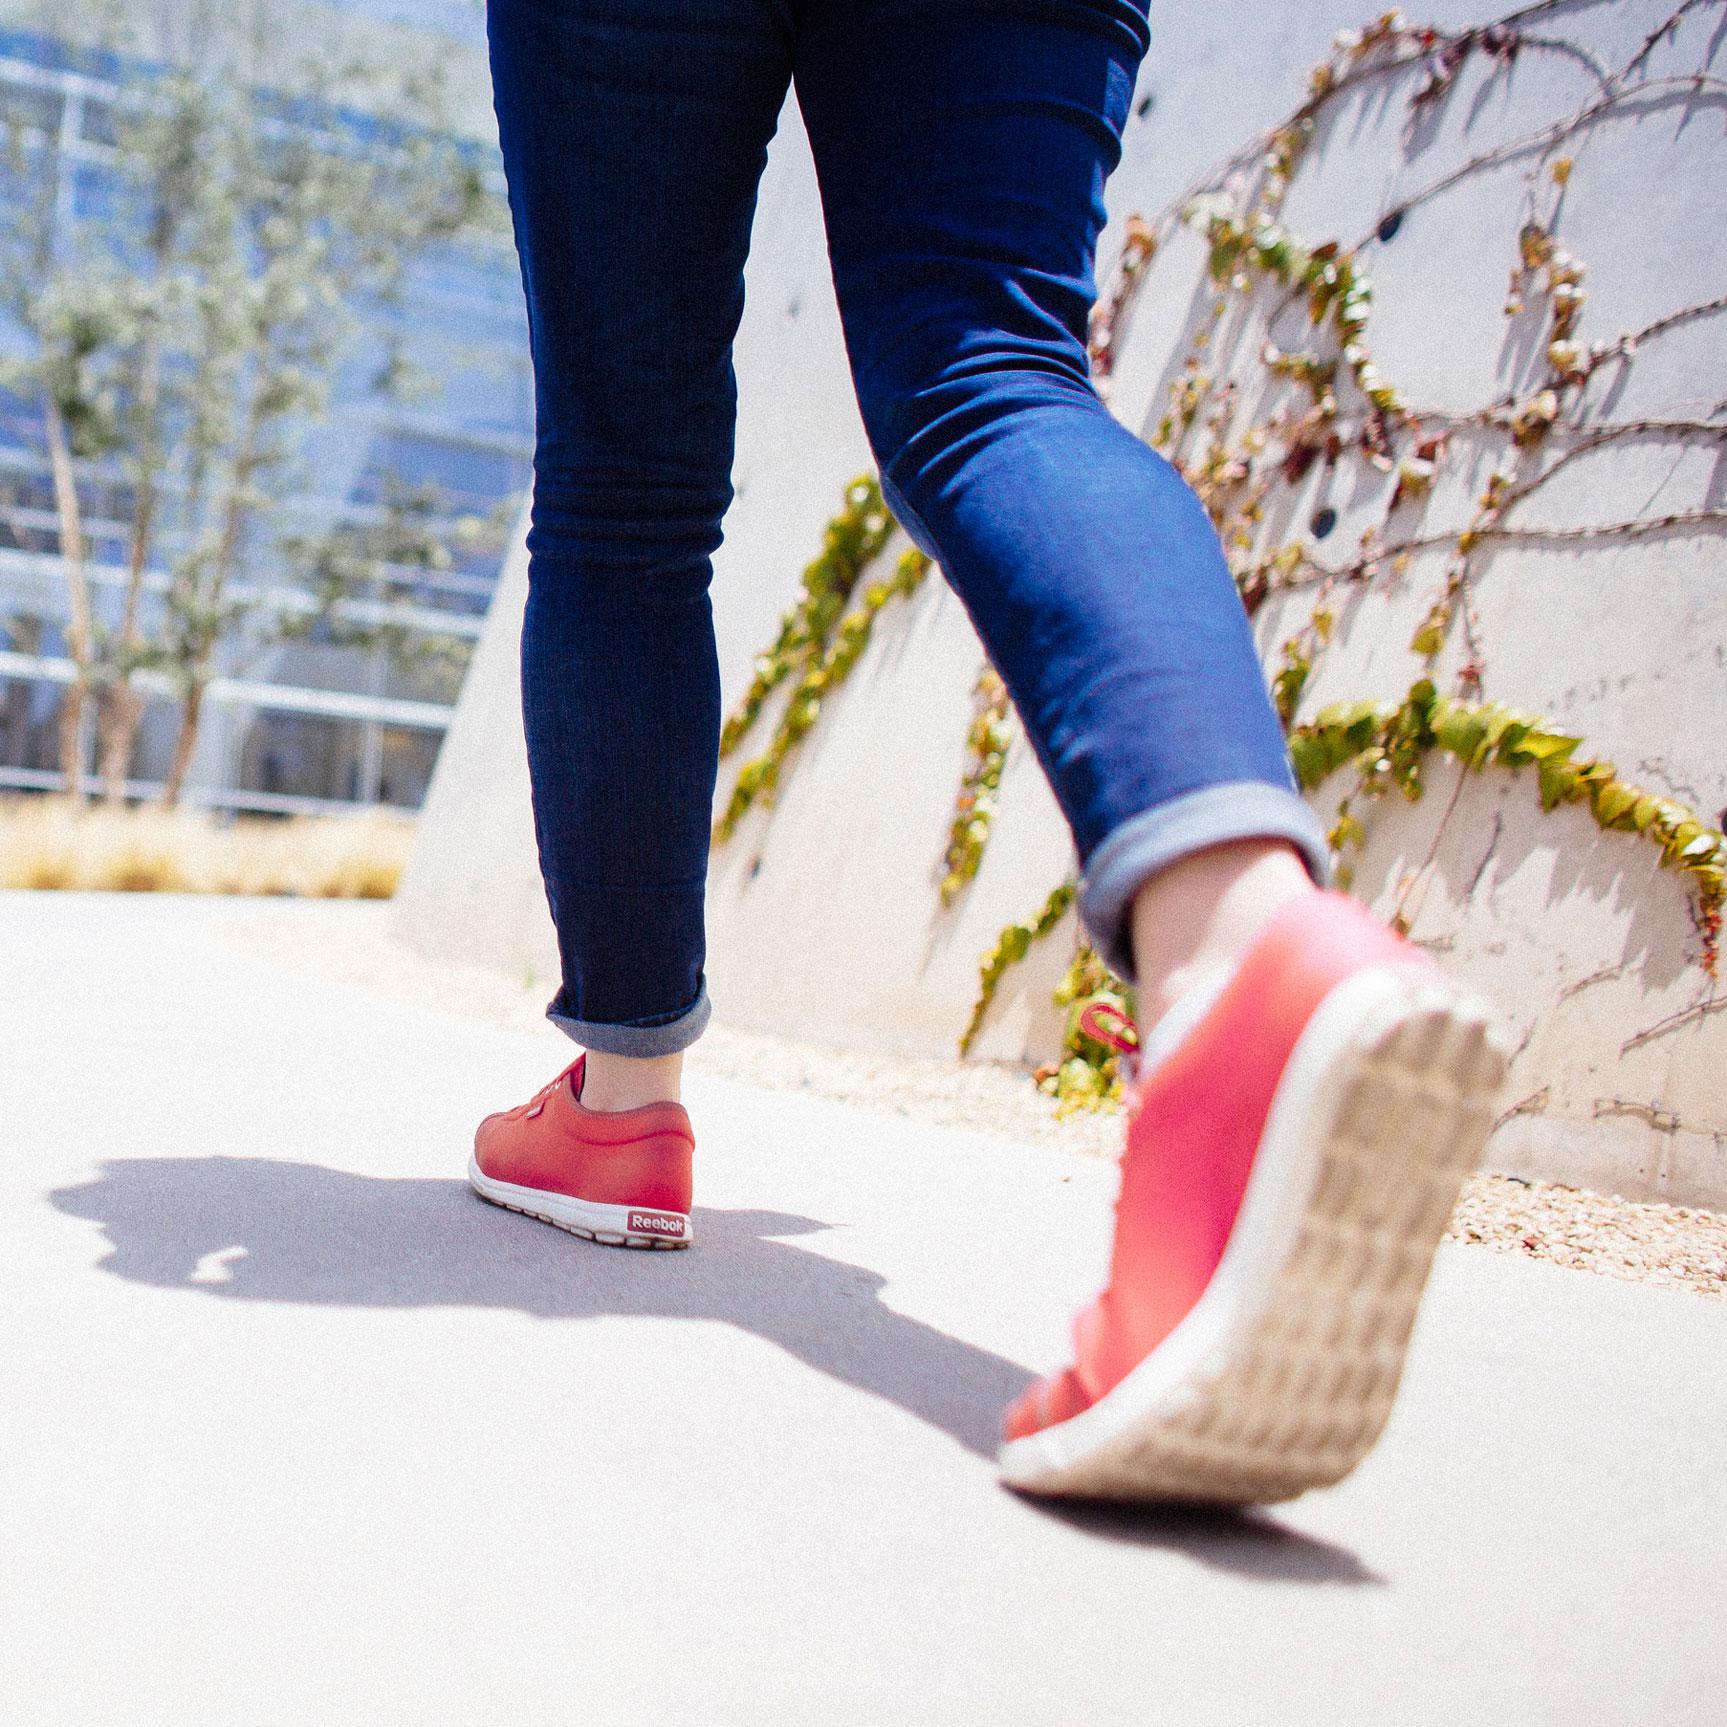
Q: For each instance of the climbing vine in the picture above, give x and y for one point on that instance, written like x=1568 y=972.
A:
x=1010 y=947
x=1087 y=1074
x=851 y=542
x=819 y=641
x=1387 y=745
x=987 y=744
x=1320 y=400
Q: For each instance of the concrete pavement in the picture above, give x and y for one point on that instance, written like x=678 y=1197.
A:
x=295 y=1431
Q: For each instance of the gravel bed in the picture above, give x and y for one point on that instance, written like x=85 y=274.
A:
x=1642 y=1242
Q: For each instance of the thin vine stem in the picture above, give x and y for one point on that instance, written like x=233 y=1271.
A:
x=1546 y=139
x=1666 y=28
x=1623 y=347
x=1364 y=567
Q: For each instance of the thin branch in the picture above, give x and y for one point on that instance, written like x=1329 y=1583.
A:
x=1539 y=9
x=1641 y=527
x=1627 y=345
x=1493 y=419
x=1365 y=73
x=1572 y=51
x=1685 y=1016
x=1546 y=139
x=1653 y=40
x=1645 y=429
x=1411 y=52
x=1364 y=567
x=1599 y=438
x=1400 y=919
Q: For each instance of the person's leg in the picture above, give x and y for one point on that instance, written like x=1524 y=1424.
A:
x=962 y=152
x=1303 y=1111
x=634 y=137
x=1193 y=918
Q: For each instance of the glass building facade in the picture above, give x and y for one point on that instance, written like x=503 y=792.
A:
x=296 y=724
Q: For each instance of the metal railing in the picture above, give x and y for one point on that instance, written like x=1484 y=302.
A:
x=242 y=693
x=201 y=797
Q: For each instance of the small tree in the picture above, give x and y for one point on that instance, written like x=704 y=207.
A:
x=386 y=558
x=187 y=336
x=60 y=374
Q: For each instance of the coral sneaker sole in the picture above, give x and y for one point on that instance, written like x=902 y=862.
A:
x=612 y=1225
x=1282 y=1376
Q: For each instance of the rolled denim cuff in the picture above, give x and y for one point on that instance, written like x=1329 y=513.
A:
x=1145 y=843
x=665 y=1037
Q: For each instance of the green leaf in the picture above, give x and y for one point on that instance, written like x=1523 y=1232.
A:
x=1499 y=721
x=1346 y=715
x=1541 y=746
x=1645 y=813
x=1560 y=783
x=1311 y=759
x=1461 y=731
x=1612 y=801
x=1511 y=739
x=1348 y=832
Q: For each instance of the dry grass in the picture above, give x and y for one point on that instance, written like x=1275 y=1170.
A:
x=49 y=843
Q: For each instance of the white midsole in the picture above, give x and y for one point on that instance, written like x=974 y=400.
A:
x=1266 y=1232
x=585 y=1215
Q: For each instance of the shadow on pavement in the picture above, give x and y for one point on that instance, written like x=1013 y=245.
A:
x=1249 y=1543
x=259 y=1229
x=312 y=1234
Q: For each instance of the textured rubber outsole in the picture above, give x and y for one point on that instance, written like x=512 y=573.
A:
x=609 y=1225
x=1287 y=1381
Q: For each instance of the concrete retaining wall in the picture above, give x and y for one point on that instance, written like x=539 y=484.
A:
x=824 y=917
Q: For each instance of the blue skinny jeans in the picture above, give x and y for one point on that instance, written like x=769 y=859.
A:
x=961 y=148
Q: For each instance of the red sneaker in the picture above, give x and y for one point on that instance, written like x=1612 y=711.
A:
x=1291 y=1164
x=619 y=1177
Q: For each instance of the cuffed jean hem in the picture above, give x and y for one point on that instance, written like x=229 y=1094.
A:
x=1144 y=844
x=639 y=1040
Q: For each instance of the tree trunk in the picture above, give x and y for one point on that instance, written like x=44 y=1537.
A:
x=79 y=619
x=190 y=715
x=71 y=741
x=118 y=716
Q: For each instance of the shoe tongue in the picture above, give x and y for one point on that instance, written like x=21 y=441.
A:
x=1172 y=1030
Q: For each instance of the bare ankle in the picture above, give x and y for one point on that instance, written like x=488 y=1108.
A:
x=617 y=1082
x=1203 y=911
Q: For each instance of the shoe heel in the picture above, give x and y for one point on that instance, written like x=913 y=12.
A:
x=662 y=1229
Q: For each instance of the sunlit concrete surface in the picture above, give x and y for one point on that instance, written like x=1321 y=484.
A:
x=296 y=1431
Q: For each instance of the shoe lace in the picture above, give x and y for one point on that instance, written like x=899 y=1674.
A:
x=540 y=1098
x=1108 y=1025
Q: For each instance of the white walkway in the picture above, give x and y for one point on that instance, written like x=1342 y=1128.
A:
x=295 y=1431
